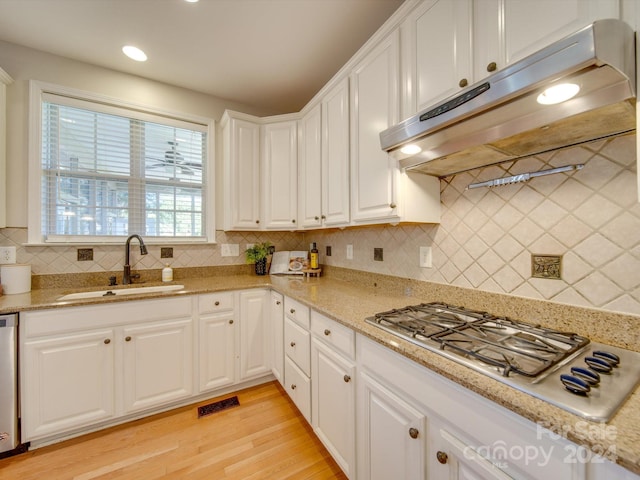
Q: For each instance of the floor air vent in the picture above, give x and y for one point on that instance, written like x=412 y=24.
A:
x=218 y=406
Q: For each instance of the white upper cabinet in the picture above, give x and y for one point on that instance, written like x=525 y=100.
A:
x=279 y=175
x=380 y=191
x=450 y=45
x=241 y=157
x=436 y=39
x=310 y=169
x=374 y=107
x=5 y=80
x=530 y=26
x=335 y=156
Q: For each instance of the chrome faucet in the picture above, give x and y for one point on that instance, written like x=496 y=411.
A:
x=126 y=277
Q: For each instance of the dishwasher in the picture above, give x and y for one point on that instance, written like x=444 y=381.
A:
x=9 y=430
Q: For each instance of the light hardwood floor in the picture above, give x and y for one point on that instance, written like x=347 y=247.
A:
x=265 y=437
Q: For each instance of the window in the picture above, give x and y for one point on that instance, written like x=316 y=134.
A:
x=108 y=171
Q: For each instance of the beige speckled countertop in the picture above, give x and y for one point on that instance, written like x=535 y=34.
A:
x=349 y=299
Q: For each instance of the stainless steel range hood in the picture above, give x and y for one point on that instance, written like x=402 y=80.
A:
x=499 y=118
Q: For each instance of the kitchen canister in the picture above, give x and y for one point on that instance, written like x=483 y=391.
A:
x=15 y=278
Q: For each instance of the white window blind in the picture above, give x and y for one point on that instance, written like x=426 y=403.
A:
x=110 y=171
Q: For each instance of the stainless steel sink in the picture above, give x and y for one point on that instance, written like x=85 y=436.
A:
x=120 y=292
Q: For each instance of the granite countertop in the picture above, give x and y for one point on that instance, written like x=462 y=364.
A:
x=349 y=303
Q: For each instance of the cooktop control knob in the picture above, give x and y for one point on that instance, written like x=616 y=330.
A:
x=574 y=384
x=587 y=375
x=608 y=357
x=598 y=364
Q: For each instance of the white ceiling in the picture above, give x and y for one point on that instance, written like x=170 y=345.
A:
x=271 y=54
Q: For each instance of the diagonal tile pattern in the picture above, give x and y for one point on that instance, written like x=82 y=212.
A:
x=485 y=239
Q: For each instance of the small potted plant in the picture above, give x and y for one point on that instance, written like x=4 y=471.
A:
x=258 y=255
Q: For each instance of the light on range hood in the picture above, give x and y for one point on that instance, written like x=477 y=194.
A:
x=500 y=118
x=558 y=93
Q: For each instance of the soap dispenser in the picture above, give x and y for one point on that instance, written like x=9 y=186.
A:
x=167 y=273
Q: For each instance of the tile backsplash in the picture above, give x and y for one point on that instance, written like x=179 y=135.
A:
x=485 y=240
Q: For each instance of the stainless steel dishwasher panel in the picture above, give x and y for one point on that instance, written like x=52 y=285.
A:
x=9 y=433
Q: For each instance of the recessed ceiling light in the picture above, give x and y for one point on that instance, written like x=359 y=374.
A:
x=134 y=53
x=558 y=93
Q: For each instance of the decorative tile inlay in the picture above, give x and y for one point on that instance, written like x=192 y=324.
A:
x=546 y=266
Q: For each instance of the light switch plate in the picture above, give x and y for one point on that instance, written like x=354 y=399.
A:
x=426 y=259
x=230 y=249
x=349 y=252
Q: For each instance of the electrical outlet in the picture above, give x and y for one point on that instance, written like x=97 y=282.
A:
x=349 y=252
x=377 y=254
x=7 y=255
x=328 y=251
x=426 y=257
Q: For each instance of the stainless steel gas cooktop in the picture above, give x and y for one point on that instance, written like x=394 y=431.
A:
x=589 y=379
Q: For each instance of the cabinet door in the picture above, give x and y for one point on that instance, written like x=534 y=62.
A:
x=393 y=434
x=67 y=382
x=437 y=53
x=254 y=338
x=333 y=404
x=298 y=387
x=335 y=155
x=374 y=107
x=157 y=363
x=530 y=26
x=217 y=353
x=279 y=175
x=242 y=175
x=277 y=334
x=310 y=169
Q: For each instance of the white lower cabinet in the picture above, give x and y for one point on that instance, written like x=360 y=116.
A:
x=297 y=355
x=157 y=364
x=298 y=387
x=276 y=316
x=391 y=434
x=67 y=382
x=254 y=334
x=333 y=404
x=217 y=350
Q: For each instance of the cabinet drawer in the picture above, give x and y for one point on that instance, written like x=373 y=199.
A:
x=297 y=311
x=297 y=345
x=334 y=334
x=298 y=387
x=215 y=302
